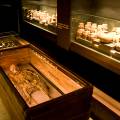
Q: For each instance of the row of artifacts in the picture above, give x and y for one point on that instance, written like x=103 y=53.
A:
x=99 y=34
x=43 y=17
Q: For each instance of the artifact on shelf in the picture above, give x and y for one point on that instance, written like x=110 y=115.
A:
x=43 y=17
x=98 y=33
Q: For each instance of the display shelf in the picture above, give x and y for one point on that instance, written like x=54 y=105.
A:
x=102 y=33
x=42 y=27
x=104 y=60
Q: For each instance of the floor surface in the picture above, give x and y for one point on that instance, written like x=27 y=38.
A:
x=4 y=115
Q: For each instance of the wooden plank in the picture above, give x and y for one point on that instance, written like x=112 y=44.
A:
x=106 y=100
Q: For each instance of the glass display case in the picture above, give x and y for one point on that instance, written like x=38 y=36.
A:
x=41 y=14
x=40 y=88
x=9 y=40
x=97 y=33
x=92 y=29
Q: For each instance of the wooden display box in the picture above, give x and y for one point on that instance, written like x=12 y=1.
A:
x=37 y=88
x=10 y=40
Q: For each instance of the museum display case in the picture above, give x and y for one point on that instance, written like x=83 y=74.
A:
x=9 y=40
x=39 y=88
x=92 y=31
x=99 y=36
x=41 y=14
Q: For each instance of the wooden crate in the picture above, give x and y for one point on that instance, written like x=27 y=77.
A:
x=66 y=97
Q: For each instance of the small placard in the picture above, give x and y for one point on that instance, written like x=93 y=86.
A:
x=63 y=26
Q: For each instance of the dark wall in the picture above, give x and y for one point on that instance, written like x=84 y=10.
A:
x=104 y=8
x=8 y=15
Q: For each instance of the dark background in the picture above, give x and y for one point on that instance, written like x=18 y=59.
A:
x=104 y=8
x=8 y=15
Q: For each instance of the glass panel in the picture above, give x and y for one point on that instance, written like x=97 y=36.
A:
x=98 y=33
x=41 y=13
